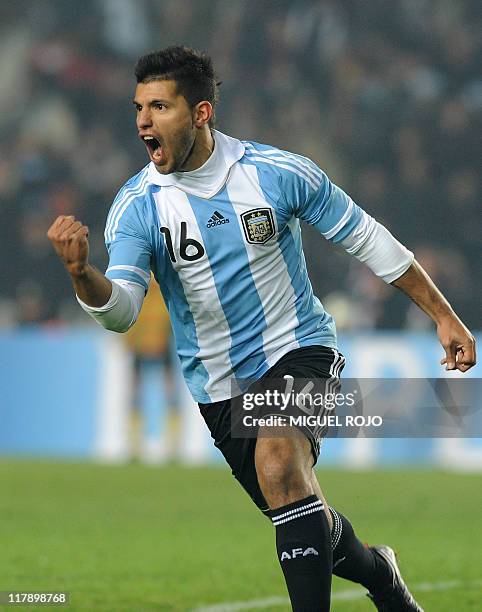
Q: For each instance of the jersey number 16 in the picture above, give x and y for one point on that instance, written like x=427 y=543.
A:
x=184 y=244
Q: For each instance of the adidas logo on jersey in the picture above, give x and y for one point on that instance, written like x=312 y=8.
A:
x=216 y=219
x=298 y=552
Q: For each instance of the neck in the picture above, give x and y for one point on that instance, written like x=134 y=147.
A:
x=201 y=150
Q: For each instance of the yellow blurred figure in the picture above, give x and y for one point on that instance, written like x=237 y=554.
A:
x=149 y=337
x=149 y=342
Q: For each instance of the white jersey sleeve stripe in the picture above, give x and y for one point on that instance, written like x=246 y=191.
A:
x=269 y=161
x=358 y=236
x=123 y=207
x=122 y=195
x=146 y=277
x=298 y=160
x=316 y=177
x=286 y=160
x=120 y=208
x=336 y=228
x=301 y=159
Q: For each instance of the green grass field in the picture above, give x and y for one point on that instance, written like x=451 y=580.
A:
x=137 y=538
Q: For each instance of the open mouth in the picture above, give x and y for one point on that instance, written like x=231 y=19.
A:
x=154 y=149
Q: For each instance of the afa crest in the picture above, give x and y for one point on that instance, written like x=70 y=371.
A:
x=258 y=225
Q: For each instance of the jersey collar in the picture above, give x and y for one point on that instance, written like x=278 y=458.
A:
x=211 y=177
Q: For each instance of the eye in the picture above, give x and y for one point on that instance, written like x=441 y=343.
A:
x=160 y=106
x=138 y=107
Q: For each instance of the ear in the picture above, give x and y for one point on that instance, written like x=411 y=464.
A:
x=203 y=111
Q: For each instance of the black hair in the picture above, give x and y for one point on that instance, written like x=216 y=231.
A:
x=192 y=71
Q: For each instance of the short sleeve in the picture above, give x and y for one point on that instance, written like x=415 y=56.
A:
x=310 y=195
x=129 y=249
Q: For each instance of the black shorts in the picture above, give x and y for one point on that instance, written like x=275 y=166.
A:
x=318 y=362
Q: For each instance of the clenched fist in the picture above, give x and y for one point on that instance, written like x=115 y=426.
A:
x=70 y=241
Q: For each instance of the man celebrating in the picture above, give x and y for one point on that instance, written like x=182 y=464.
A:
x=217 y=221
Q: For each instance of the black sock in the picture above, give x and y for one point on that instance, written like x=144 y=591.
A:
x=352 y=560
x=303 y=542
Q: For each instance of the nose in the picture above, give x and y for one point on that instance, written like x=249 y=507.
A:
x=144 y=119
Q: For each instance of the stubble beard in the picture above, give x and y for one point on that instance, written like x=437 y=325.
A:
x=187 y=141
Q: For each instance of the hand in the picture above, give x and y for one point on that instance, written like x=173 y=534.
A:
x=70 y=241
x=458 y=342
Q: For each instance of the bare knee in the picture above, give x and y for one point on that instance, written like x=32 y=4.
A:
x=283 y=467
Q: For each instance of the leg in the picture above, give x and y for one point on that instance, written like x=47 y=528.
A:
x=284 y=467
x=319 y=494
x=303 y=540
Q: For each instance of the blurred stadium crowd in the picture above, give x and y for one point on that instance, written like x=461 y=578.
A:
x=385 y=96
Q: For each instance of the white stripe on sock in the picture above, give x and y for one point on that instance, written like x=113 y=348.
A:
x=300 y=514
x=318 y=502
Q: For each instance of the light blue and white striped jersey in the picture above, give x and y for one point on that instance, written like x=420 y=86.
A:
x=224 y=244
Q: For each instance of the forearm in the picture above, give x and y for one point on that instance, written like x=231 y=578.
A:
x=92 y=287
x=418 y=285
x=122 y=308
x=114 y=305
x=458 y=342
x=372 y=244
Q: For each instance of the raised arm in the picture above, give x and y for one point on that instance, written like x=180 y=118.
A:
x=70 y=241
x=456 y=339
x=113 y=304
